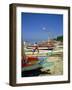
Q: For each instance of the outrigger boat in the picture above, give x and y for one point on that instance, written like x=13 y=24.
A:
x=35 y=66
x=42 y=47
x=30 y=66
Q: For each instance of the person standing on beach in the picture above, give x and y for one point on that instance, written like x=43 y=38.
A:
x=35 y=47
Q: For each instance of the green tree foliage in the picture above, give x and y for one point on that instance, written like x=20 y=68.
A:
x=60 y=38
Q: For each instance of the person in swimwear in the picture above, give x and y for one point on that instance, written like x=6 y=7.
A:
x=35 y=47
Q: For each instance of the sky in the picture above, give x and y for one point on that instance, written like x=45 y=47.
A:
x=38 y=27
